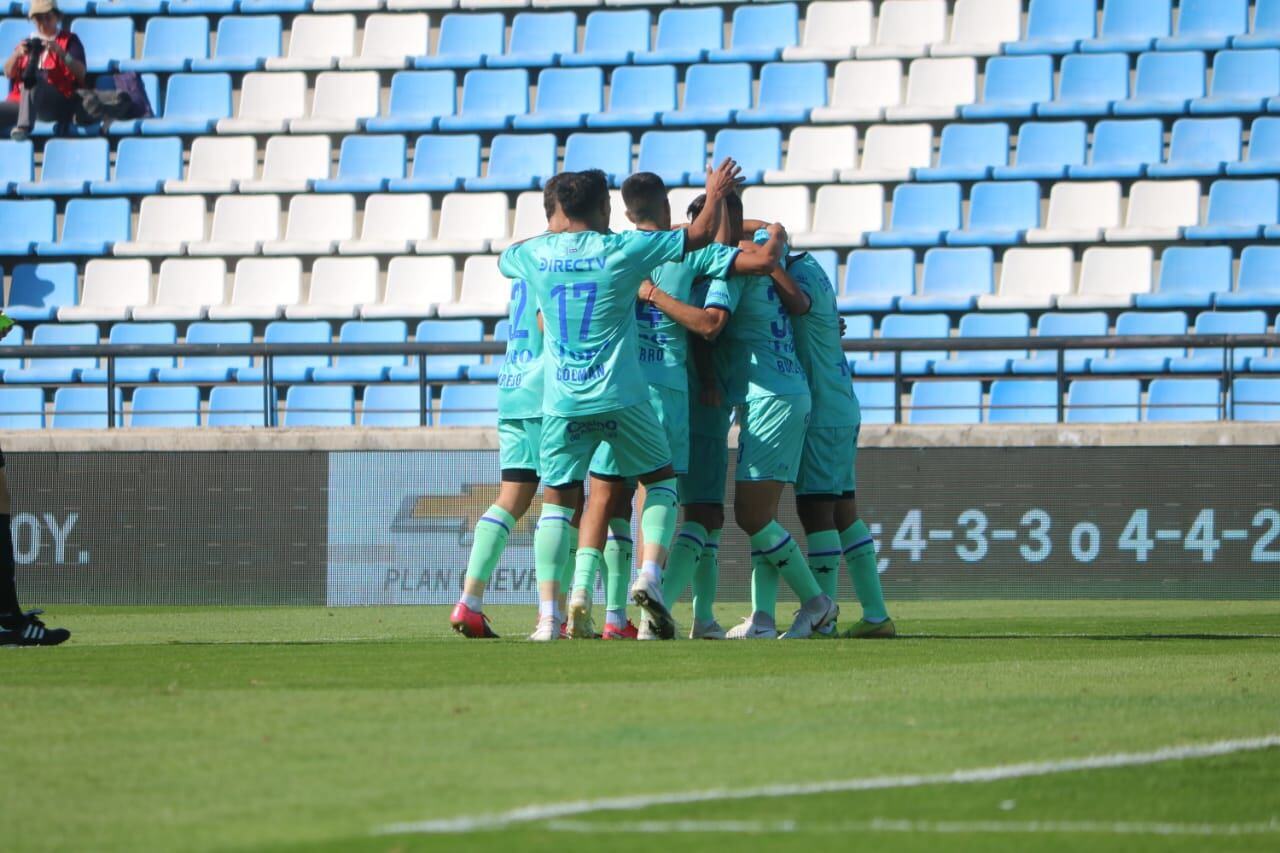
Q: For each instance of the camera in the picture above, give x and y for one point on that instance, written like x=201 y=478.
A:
x=30 y=75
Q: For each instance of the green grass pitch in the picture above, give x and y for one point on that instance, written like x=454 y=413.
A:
x=308 y=729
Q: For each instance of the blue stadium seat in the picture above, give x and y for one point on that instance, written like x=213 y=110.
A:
x=760 y=33
x=69 y=166
x=953 y=279
x=922 y=215
x=21 y=408
x=788 y=93
x=393 y=406
x=12 y=31
x=968 y=152
x=238 y=406
x=1255 y=400
x=320 y=406
x=291 y=368
x=829 y=261
x=1166 y=84
x=1056 y=26
x=1266 y=27
x=1207 y=24
x=90 y=227
x=538 y=39
x=243 y=43
x=985 y=325
x=858 y=327
x=1143 y=323
x=712 y=94
x=1089 y=86
x=679 y=157
x=37 y=291
x=52 y=371
x=876 y=401
x=139 y=368
x=1103 y=401
x=138 y=8
x=685 y=35
x=1190 y=277
x=1012 y=87
x=202 y=7
x=1243 y=81
x=106 y=41
x=1264 y=149
x=610 y=152
x=1023 y=401
x=142 y=167
x=441 y=164
x=16 y=164
x=469 y=405
x=1122 y=149
x=637 y=96
x=914 y=363
x=1258 y=280
x=490 y=99
x=1200 y=147
x=612 y=38
x=170 y=44
x=1238 y=210
x=517 y=162
x=1223 y=323
x=1183 y=400
x=194 y=103
x=1131 y=25
x=165 y=406
x=274 y=7
x=465 y=40
x=958 y=402
x=365 y=368
x=25 y=223
x=366 y=164
x=756 y=151
x=442 y=367
x=876 y=278
x=85 y=408
x=1000 y=212
x=418 y=100
x=565 y=97
x=1045 y=151
x=1062 y=325
x=212 y=368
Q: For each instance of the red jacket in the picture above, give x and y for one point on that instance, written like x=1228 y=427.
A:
x=60 y=76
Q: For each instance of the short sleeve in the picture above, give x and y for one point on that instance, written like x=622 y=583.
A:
x=715 y=261
x=645 y=250
x=722 y=294
x=511 y=262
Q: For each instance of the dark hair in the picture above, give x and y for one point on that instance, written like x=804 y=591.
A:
x=644 y=193
x=733 y=202
x=549 y=200
x=583 y=193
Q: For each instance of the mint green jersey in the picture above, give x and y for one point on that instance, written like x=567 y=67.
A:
x=756 y=354
x=520 y=377
x=585 y=283
x=664 y=343
x=818 y=345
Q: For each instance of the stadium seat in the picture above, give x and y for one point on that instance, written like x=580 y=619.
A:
x=317 y=223
x=875 y=279
x=610 y=152
x=538 y=39
x=955 y=402
x=1131 y=25
x=316 y=43
x=127 y=7
x=1207 y=24
x=394 y=406
x=343 y=100
x=166 y=224
x=907 y=29
x=1165 y=84
x=1030 y=279
x=490 y=99
x=980 y=27
x=1238 y=210
x=937 y=89
x=637 y=96
x=291 y=368
x=243 y=43
x=219 y=368
x=365 y=368
x=441 y=164
x=21 y=408
x=85 y=408
x=170 y=44
x=1023 y=401
x=391 y=225
x=857 y=327
x=165 y=406
x=1158 y=210
x=143 y=166
x=952 y=280
x=69 y=166
x=339 y=286
x=1045 y=150
x=89 y=227
x=1244 y=81
x=756 y=151
x=366 y=164
x=611 y=38
x=1079 y=212
x=1064 y=325
x=418 y=100
x=1190 y=277
x=1223 y=323
x=968 y=152
x=1011 y=87
x=842 y=216
x=16 y=164
x=1110 y=278
x=389 y=41
x=12 y=31
x=1089 y=86
x=1103 y=401
x=46 y=370
x=1255 y=400
x=415 y=288
x=37 y=291
x=712 y=95
x=111 y=289
x=816 y=155
x=242 y=406
x=787 y=205
x=1143 y=323
x=442 y=367
x=25 y=223
x=679 y=157
x=1122 y=149
x=1266 y=27
x=684 y=35
x=1200 y=147
x=862 y=91
x=921 y=215
x=530 y=219
x=876 y=401
x=485 y=292
x=319 y=406
x=268 y=101
x=261 y=288
x=985 y=325
x=291 y=164
x=217 y=165
x=892 y=153
x=1264 y=149
x=565 y=97
x=1000 y=214
x=789 y=91
x=465 y=40
x=833 y=29
x=1258 y=281
x=914 y=363
x=1183 y=400
x=468 y=405
x=106 y=41
x=1056 y=26
x=135 y=368
x=760 y=33
x=186 y=289
x=468 y=222
x=240 y=225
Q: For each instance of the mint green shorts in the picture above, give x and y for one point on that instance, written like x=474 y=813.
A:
x=639 y=443
x=771 y=438
x=519 y=443
x=827 y=461
x=672 y=409
x=704 y=483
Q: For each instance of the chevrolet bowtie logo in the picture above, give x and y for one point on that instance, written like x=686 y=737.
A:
x=440 y=513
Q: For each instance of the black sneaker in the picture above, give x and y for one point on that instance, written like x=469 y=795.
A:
x=27 y=630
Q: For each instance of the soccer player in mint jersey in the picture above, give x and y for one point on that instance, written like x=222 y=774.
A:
x=663 y=361
x=585 y=281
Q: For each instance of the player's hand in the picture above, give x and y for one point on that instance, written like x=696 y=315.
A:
x=647 y=288
x=844 y=327
x=775 y=229
x=723 y=179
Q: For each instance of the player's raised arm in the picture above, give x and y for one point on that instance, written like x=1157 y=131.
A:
x=720 y=182
x=704 y=322
x=760 y=259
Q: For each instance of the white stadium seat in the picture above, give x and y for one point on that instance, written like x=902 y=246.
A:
x=485 y=291
x=241 y=223
x=841 y=215
x=267 y=103
x=415 y=288
x=833 y=29
x=166 y=224
x=316 y=225
x=816 y=155
x=862 y=91
x=261 y=289
x=217 y=165
x=342 y=99
x=346 y=5
x=1031 y=278
x=787 y=205
x=1109 y=278
x=392 y=224
x=907 y=28
x=679 y=198
x=979 y=27
x=111 y=289
x=186 y=290
x=316 y=43
x=1079 y=211
x=891 y=152
x=468 y=222
x=291 y=164
x=339 y=288
x=390 y=41
x=1158 y=210
x=414 y=5
x=936 y=89
x=530 y=220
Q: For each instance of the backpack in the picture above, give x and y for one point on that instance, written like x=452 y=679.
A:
x=127 y=100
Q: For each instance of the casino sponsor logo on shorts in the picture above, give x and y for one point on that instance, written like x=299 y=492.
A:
x=578 y=428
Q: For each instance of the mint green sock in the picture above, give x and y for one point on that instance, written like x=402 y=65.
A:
x=686 y=553
x=860 y=557
x=617 y=563
x=661 y=511
x=824 y=560
x=489 y=541
x=707 y=578
x=775 y=544
x=567 y=570
x=586 y=564
x=551 y=540
x=764 y=586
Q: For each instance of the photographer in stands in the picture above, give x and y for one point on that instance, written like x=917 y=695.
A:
x=44 y=72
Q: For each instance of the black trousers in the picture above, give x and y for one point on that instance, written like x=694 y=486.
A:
x=42 y=102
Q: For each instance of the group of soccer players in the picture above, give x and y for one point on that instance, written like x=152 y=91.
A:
x=602 y=380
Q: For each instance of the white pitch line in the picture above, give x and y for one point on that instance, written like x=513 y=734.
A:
x=551 y=811
x=880 y=824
